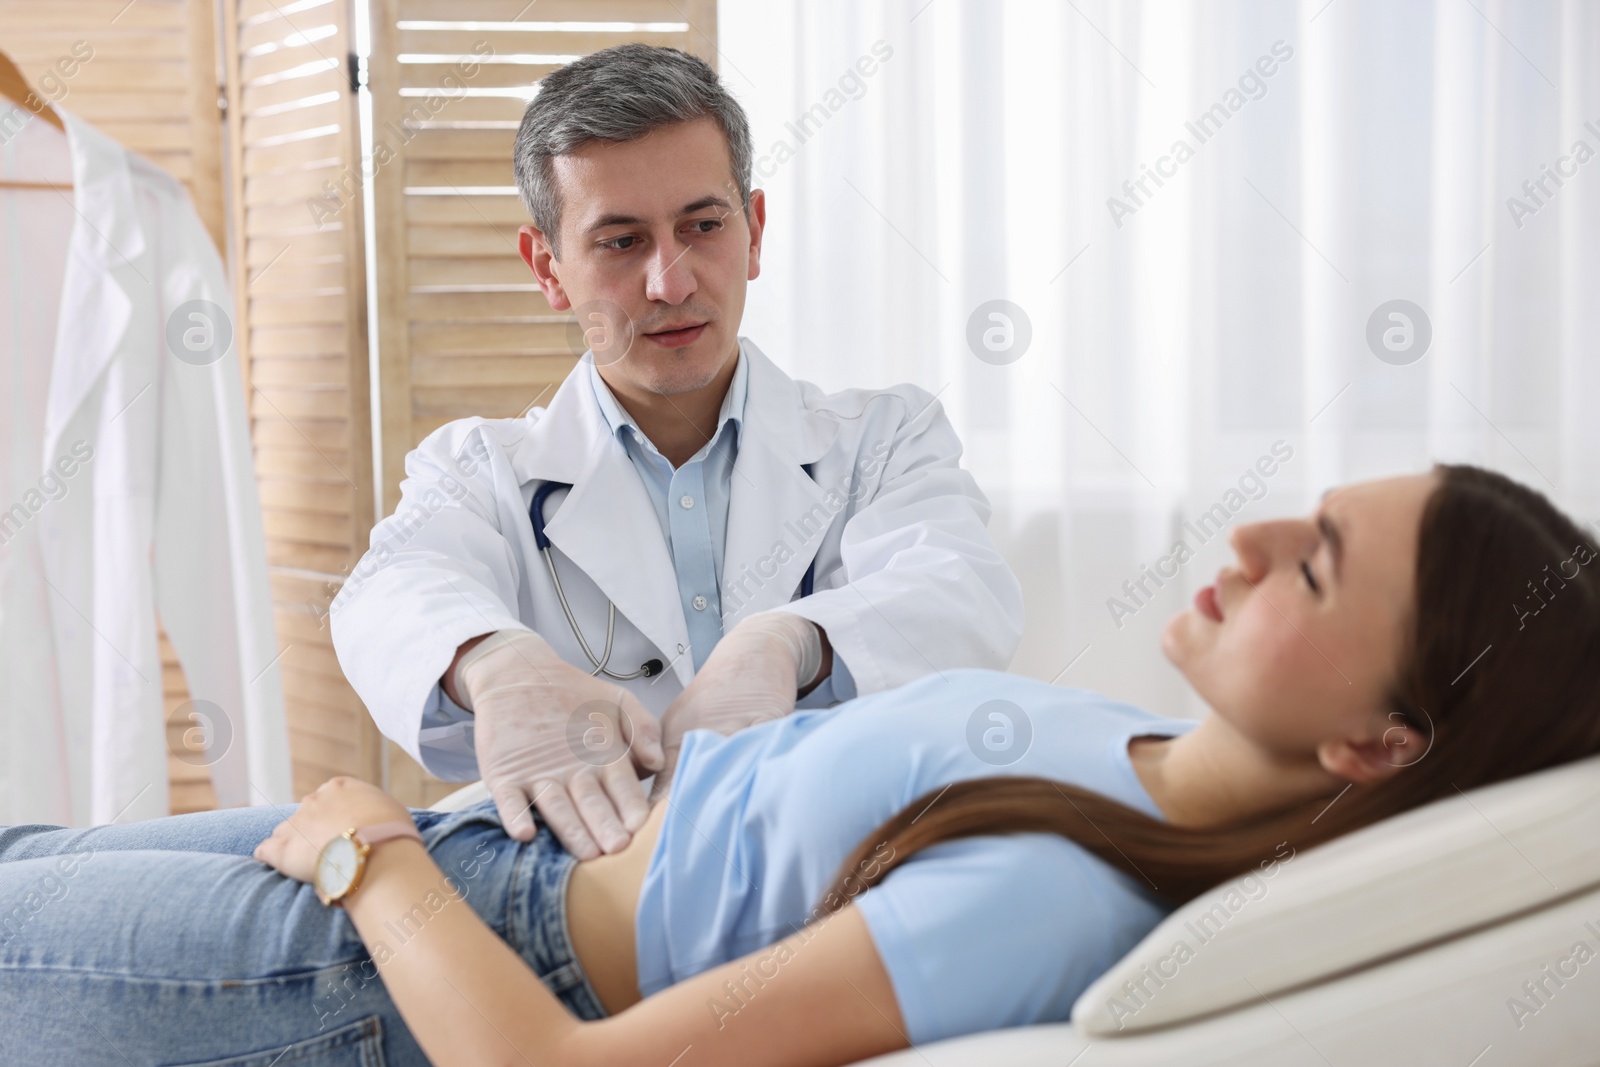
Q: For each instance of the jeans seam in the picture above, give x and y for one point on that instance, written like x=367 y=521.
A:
x=163 y=979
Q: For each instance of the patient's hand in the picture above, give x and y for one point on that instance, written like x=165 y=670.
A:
x=332 y=808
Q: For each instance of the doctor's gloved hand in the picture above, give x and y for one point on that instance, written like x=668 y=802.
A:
x=753 y=675
x=552 y=737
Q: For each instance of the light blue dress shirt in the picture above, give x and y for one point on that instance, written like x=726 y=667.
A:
x=691 y=503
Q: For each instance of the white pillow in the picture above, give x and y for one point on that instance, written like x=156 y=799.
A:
x=1434 y=871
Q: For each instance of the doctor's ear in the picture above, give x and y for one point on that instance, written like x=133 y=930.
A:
x=758 y=226
x=536 y=253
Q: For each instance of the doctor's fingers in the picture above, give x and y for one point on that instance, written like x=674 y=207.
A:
x=598 y=809
x=621 y=783
x=561 y=815
x=512 y=802
x=658 y=788
x=642 y=732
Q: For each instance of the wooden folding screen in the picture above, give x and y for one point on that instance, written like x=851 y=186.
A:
x=299 y=282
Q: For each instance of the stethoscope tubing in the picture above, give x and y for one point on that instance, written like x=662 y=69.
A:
x=541 y=541
x=646 y=669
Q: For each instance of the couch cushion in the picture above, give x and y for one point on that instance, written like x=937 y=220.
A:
x=1426 y=874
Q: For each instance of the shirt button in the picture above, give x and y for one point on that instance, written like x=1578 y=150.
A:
x=686 y=501
x=680 y=650
x=699 y=603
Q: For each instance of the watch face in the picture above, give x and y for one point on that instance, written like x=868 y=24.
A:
x=336 y=867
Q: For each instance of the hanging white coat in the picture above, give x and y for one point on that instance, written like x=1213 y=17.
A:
x=159 y=512
x=908 y=582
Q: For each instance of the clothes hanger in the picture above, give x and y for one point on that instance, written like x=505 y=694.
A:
x=14 y=87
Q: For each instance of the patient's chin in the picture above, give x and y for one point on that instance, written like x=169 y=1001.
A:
x=1188 y=644
x=1178 y=638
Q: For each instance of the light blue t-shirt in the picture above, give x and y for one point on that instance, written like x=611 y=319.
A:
x=976 y=934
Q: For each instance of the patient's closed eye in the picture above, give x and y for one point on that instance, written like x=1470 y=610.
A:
x=1311 y=579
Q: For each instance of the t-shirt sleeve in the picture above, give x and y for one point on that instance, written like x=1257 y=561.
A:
x=990 y=932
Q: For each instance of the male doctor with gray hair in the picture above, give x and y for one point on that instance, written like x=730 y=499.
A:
x=685 y=531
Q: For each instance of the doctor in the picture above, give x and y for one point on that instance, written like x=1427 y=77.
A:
x=721 y=543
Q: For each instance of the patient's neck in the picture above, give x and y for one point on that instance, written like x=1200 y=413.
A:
x=1215 y=776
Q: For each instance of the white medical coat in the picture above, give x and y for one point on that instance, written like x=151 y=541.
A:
x=162 y=514
x=908 y=582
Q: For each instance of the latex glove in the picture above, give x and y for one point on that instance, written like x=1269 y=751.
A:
x=753 y=675
x=559 y=739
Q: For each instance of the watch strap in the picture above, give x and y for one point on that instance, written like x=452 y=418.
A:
x=384 y=831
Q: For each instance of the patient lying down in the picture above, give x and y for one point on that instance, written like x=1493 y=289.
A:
x=965 y=853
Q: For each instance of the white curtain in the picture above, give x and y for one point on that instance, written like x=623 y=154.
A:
x=1341 y=155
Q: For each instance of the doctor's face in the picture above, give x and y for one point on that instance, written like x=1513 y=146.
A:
x=1302 y=639
x=655 y=256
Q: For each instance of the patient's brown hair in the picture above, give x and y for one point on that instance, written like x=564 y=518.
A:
x=1492 y=580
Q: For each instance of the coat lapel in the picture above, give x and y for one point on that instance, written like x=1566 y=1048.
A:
x=104 y=255
x=777 y=514
x=606 y=526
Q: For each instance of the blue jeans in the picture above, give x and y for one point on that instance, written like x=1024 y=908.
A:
x=165 y=943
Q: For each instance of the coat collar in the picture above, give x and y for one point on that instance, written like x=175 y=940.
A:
x=608 y=528
x=108 y=269
x=621 y=422
x=562 y=444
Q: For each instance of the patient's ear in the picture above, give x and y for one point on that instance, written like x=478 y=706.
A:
x=1368 y=760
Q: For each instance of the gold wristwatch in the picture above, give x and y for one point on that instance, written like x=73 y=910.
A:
x=343 y=860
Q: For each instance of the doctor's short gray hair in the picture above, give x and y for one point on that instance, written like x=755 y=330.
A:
x=619 y=94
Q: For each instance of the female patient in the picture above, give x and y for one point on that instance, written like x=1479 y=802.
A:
x=964 y=853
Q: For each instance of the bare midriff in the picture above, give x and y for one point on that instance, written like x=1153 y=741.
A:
x=602 y=899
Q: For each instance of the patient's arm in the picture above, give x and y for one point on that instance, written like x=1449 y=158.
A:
x=469 y=999
x=816 y=998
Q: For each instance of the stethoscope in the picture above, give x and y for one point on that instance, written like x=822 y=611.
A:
x=650 y=667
